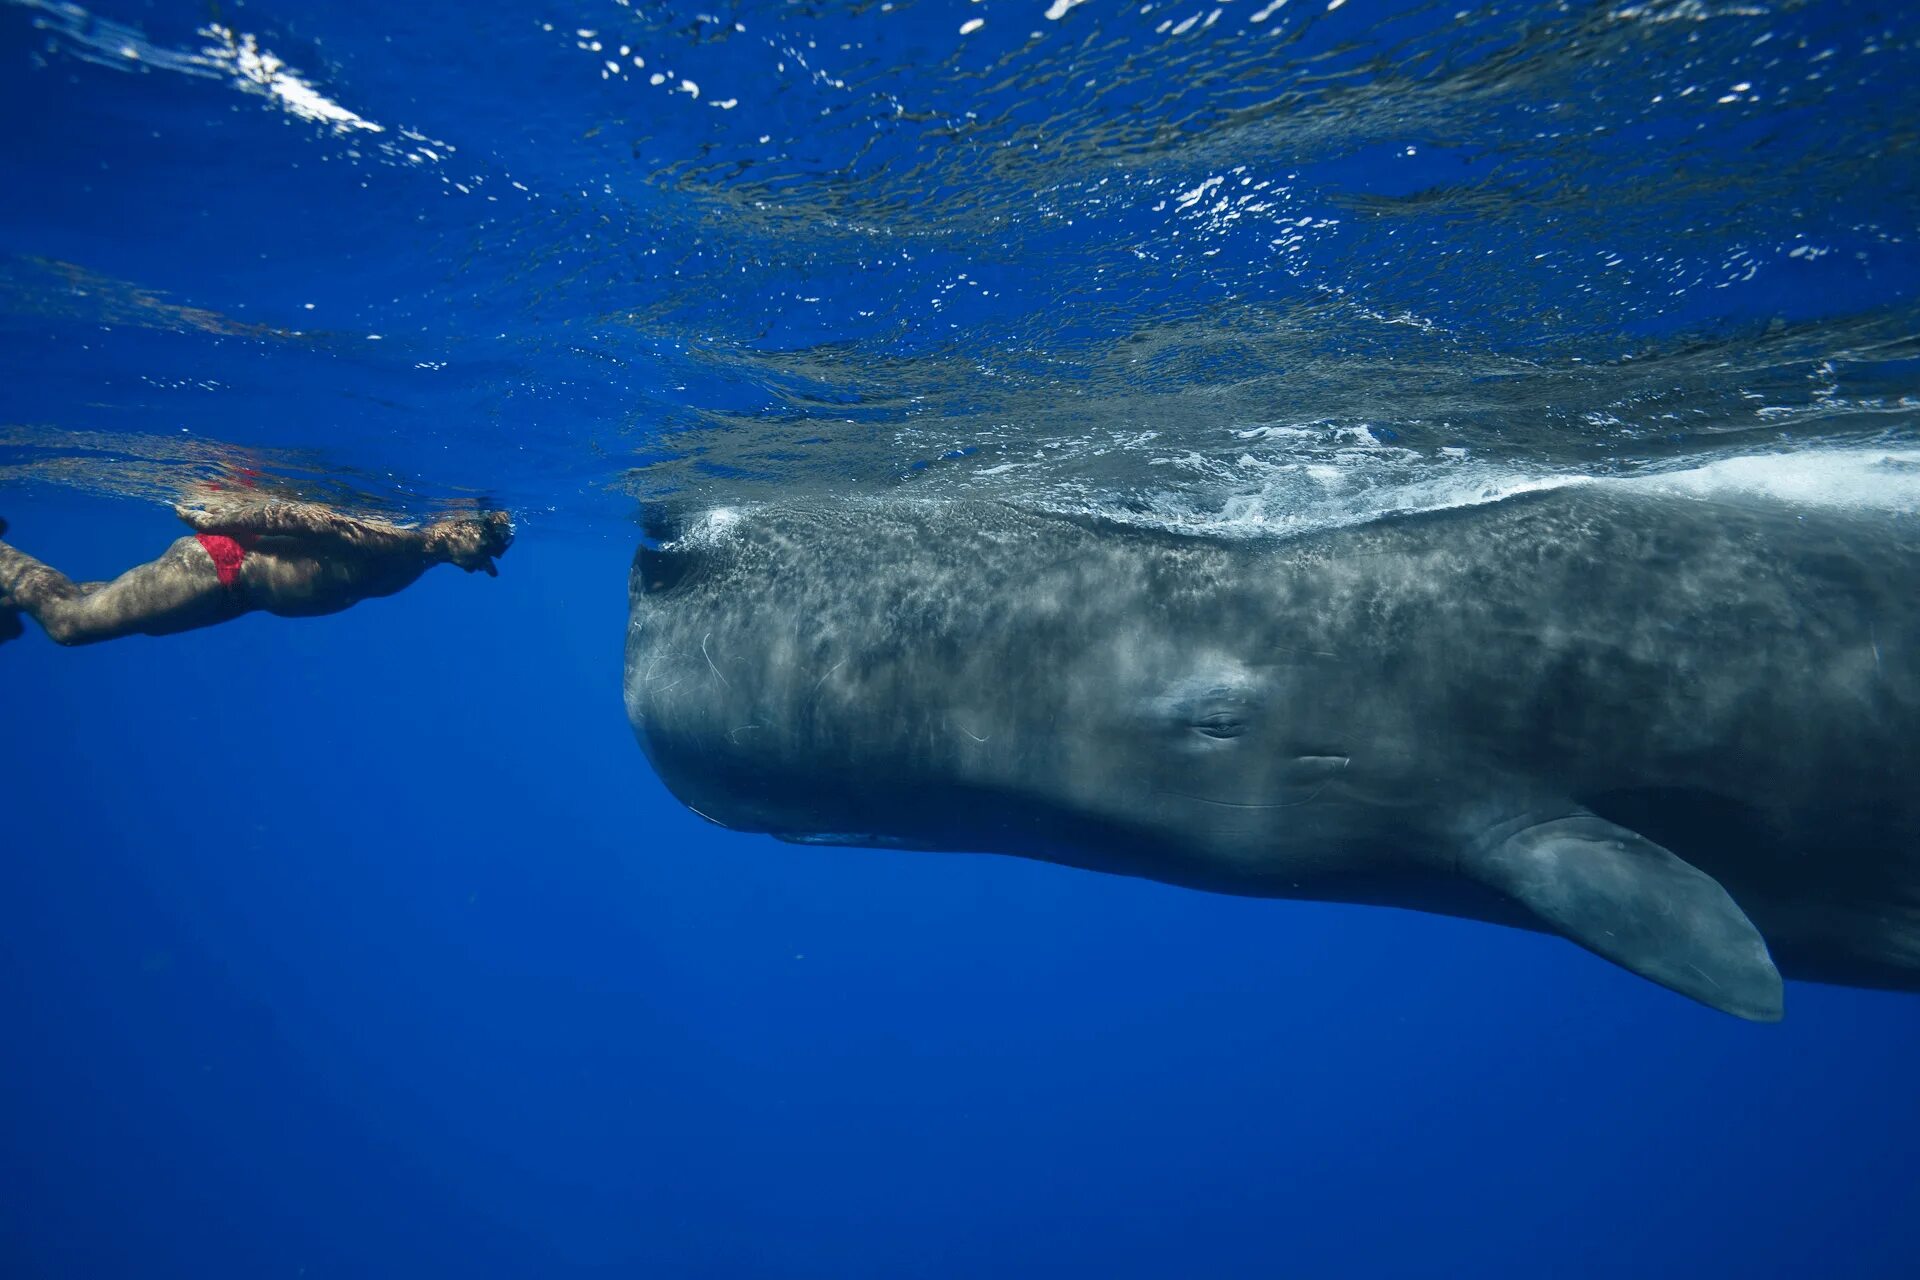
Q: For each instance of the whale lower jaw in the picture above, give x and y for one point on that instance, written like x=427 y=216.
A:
x=853 y=840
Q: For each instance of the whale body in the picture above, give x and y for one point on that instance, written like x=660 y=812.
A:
x=1682 y=732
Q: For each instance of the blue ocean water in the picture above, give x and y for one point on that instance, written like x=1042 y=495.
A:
x=369 y=945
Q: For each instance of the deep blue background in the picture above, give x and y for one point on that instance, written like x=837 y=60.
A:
x=368 y=945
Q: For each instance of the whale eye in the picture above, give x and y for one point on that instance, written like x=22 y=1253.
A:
x=1210 y=702
x=1221 y=724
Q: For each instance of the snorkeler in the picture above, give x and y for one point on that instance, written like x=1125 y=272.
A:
x=295 y=559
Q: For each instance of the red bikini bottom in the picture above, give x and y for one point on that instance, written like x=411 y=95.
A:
x=227 y=552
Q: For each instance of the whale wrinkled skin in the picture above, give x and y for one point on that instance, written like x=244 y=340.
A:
x=1682 y=732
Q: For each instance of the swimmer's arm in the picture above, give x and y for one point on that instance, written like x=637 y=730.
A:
x=281 y=519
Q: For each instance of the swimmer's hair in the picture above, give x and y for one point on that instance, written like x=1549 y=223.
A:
x=496 y=531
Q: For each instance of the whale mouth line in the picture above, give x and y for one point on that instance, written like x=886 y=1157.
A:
x=1245 y=804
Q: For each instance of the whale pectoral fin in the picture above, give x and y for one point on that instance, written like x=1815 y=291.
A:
x=1621 y=896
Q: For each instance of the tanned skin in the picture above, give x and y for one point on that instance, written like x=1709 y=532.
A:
x=307 y=560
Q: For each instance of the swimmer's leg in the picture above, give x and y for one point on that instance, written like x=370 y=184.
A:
x=177 y=592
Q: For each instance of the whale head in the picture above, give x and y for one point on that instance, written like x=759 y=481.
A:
x=1065 y=718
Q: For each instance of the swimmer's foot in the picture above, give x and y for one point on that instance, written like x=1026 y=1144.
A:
x=11 y=627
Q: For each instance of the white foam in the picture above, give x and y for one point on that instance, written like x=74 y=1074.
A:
x=1860 y=479
x=1300 y=496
